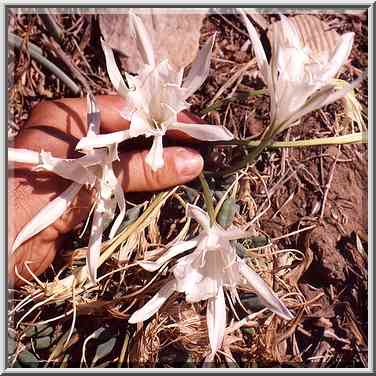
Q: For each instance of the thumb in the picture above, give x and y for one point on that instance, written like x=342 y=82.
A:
x=181 y=166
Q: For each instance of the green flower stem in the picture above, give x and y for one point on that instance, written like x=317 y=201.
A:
x=259 y=146
x=207 y=197
x=36 y=53
x=266 y=140
x=354 y=138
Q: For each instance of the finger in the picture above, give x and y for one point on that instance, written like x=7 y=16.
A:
x=62 y=123
x=69 y=114
x=181 y=166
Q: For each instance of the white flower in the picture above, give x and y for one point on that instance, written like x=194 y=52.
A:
x=297 y=82
x=155 y=97
x=205 y=273
x=92 y=170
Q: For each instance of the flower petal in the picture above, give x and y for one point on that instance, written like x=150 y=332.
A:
x=175 y=250
x=120 y=199
x=261 y=58
x=325 y=96
x=144 y=45
x=48 y=215
x=200 y=68
x=140 y=125
x=236 y=234
x=93 y=116
x=199 y=215
x=102 y=140
x=23 y=156
x=155 y=156
x=340 y=56
x=265 y=293
x=289 y=35
x=152 y=307
x=113 y=71
x=203 y=132
x=216 y=321
x=95 y=242
x=70 y=169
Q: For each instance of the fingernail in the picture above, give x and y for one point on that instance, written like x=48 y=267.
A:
x=188 y=163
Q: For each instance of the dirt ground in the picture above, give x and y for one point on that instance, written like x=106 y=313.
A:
x=322 y=188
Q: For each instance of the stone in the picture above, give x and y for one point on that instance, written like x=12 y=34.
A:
x=175 y=34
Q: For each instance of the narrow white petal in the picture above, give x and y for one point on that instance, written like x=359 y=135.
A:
x=70 y=169
x=216 y=320
x=48 y=215
x=203 y=132
x=323 y=97
x=140 y=125
x=200 y=68
x=236 y=233
x=152 y=307
x=340 y=56
x=155 y=156
x=289 y=33
x=95 y=242
x=97 y=156
x=93 y=116
x=113 y=71
x=120 y=199
x=199 y=215
x=261 y=58
x=144 y=45
x=102 y=140
x=265 y=293
x=175 y=250
x=23 y=156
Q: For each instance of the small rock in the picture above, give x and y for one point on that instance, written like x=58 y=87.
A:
x=175 y=35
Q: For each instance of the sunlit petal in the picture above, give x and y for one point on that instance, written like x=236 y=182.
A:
x=23 y=156
x=144 y=45
x=113 y=71
x=120 y=199
x=155 y=156
x=70 y=169
x=175 y=250
x=216 y=320
x=200 y=68
x=140 y=125
x=340 y=56
x=203 y=132
x=93 y=116
x=152 y=307
x=289 y=34
x=325 y=96
x=265 y=293
x=102 y=140
x=199 y=216
x=236 y=234
x=261 y=58
x=48 y=215
x=95 y=243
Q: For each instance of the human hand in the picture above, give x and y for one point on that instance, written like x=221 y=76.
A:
x=56 y=126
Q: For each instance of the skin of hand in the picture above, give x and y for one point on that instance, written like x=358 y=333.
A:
x=56 y=126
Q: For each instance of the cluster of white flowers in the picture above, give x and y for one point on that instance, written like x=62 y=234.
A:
x=297 y=85
x=297 y=82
